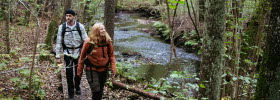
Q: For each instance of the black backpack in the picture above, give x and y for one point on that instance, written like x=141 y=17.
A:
x=63 y=33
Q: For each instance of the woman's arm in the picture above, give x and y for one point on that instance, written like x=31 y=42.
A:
x=112 y=57
x=82 y=57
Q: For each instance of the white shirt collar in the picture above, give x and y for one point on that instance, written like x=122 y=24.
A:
x=71 y=27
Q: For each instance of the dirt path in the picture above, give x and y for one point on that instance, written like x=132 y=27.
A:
x=22 y=38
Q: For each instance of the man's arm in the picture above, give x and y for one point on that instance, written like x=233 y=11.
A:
x=84 y=33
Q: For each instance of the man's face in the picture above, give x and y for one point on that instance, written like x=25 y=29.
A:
x=69 y=18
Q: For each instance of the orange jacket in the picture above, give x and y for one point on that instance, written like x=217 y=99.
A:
x=100 y=56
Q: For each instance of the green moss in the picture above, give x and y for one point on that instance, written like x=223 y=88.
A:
x=52 y=30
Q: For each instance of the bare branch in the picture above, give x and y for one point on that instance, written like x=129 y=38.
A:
x=194 y=24
x=30 y=11
x=35 y=48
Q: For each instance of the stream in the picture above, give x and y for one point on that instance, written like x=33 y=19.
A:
x=156 y=53
x=153 y=51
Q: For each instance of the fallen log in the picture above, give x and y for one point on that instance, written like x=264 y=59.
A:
x=138 y=91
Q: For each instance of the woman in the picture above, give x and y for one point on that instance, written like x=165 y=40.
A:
x=97 y=53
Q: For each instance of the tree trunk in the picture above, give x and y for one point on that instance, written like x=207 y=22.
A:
x=6 y=9
x=53 y=26
x=201 y=11
x=87 y=16
x=168 y=14
x=109 y=15
x=81 y=11
x=254 y=38
x=46 y=8
x=268 y=82
x=236 y=39
x=213 y=50
x=38 y=8
x=67 y=5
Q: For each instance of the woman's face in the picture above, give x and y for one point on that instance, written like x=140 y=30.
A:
x=102 y=31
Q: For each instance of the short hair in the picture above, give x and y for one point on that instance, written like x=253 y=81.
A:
x=70 y=11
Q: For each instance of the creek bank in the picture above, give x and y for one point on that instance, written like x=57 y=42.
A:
x=147 y=9
x=152 y=11
x=146 y=58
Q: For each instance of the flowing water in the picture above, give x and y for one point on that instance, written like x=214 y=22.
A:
x=154 y=52
x=129 y=37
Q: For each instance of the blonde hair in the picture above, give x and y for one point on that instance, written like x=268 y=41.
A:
x=94 y=35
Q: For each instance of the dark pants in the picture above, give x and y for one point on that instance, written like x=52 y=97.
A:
x=70 y=64
x=96 y=82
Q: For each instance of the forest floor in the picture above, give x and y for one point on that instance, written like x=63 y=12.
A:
x=22 y=45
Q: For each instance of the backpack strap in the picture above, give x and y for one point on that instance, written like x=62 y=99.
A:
x=79 y=30
x=63 y=34
x=62 y=37
x=80 y=33
x=90 y=49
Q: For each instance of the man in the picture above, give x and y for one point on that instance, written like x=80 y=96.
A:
x=70 y=38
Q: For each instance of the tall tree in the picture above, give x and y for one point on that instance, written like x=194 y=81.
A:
x=252 y=43
x=235 y=45
x=81 y=11
x=268 y=83
x=53 y=26
x=213 y=50
x=67 y=5
x=109 y=15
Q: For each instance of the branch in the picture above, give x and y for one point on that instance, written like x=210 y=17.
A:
x=8 y=71
x=194 y=14
x=24 y=67
x=192 y=20
x=138 y=91
x=174 y=14
x=168 y=13
x=30 y=11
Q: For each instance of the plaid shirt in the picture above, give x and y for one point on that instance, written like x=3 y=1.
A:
x=71 y=39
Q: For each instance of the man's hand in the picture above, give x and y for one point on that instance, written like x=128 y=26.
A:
x=58 y=61
x=113 y=76
x=79 y=75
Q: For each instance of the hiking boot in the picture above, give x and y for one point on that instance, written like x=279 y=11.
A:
x=71 y=98
x=60 y=89
x=78 y=91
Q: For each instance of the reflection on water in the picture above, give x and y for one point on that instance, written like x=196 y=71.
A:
x=154 y=52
